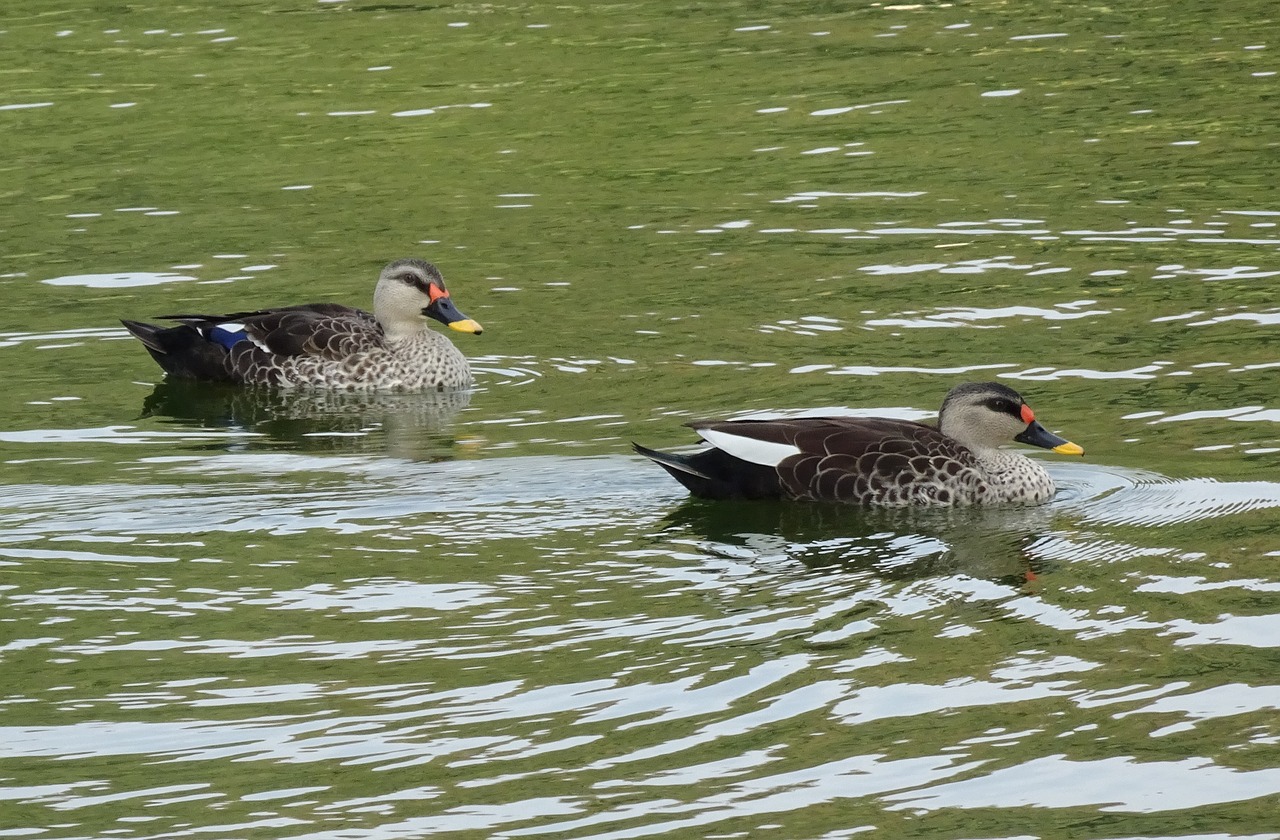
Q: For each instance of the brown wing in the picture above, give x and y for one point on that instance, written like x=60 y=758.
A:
x=332 y=332
x=863 y=459
x=326 y=330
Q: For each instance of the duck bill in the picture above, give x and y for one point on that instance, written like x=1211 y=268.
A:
x=443 y=310
x=1037 y=435
x=466 y=325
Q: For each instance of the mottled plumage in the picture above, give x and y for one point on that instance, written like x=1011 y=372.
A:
x=325 y=345
x=877 y=461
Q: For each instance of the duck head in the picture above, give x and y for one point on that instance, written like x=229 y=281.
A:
x=411 y=290
x=987 y=415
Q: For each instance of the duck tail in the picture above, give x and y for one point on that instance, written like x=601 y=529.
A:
x=182 y=351
x=714 y=474
x=672 y=463
x=148 y=334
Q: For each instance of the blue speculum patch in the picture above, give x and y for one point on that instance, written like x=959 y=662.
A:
x=228 y=335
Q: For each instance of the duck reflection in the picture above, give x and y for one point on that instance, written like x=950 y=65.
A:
x=416 y=426
x=996 y=544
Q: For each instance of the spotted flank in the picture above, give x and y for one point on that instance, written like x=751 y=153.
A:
x=877 y=461
x=325 y=345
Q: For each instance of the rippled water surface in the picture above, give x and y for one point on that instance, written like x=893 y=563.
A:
x=234 y=614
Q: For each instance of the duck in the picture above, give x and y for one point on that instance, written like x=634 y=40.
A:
x=877 y=461
x=325 y=345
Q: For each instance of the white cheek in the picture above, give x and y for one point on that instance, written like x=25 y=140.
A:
x=749 y=449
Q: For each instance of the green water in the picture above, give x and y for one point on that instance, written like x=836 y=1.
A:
x=227 y=614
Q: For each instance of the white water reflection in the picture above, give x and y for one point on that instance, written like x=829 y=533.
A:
x=703 y=648
x=61 y=338
x=116 y=434
x=1188 y=500
x=970 y=316
x=1268 y=317
x=1118 y=784
x=119 y=280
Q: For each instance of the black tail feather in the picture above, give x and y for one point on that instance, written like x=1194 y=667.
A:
x=148 y=334
x=183 y=352
x=714 y=474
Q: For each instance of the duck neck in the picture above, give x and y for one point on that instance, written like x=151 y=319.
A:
x=399 y=330
x=1015 y=477
x=398 y=314
x=996 y=461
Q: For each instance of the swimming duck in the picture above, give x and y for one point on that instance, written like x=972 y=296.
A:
x=877 y=461
x=325 y=345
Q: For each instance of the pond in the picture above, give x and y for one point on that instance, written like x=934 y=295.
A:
x=231 y=613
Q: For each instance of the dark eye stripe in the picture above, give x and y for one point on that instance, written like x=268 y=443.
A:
x=409 y=278
x=1003 y=406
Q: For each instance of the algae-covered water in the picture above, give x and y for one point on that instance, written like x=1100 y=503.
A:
x=233 y=614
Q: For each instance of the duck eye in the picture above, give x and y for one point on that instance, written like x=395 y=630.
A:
x=414 y=281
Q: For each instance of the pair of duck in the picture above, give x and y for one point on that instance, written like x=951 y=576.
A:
x=855 y=460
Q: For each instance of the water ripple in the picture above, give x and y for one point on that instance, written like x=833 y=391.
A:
x=1187 y=500
x=1117 y=784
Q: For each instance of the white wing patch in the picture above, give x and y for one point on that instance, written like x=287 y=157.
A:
x=749 y=449
x=233 y=327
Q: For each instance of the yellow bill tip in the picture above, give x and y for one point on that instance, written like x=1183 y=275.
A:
x=467 y=326
x=1068 y=448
